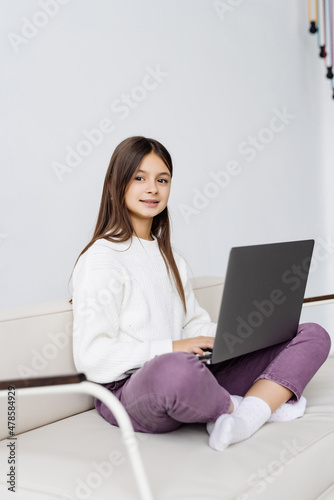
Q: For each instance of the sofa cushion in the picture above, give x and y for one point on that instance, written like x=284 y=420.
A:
x=83 y=457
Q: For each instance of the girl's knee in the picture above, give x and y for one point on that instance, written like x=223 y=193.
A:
x=320 y=337
x=175 y=371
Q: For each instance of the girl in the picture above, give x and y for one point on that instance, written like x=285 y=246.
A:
x=134 y=307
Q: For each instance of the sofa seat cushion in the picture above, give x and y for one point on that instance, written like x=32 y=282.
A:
x=83 y=457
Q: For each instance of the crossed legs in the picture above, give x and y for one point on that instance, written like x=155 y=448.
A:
x=175 y=388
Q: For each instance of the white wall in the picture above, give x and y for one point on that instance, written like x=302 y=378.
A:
x=225 y=76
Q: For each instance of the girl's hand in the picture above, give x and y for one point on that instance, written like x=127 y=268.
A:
x=193 y=345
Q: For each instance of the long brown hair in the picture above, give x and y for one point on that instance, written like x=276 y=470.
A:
x=113 y=221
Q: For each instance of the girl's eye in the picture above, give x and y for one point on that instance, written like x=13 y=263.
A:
x=164 y=180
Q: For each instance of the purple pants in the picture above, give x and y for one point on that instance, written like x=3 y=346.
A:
x=176 y=388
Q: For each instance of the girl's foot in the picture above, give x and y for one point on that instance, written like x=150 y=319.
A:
x=289 y=411
x=246 y=419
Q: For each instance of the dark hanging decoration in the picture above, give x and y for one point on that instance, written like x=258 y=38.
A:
x=320 y=17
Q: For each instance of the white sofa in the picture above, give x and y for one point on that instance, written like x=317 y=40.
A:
x=64 y=450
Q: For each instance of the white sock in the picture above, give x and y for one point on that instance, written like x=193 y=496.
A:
x=289 y=411
x=236 y=400
x=286 y=412
x=250 y=415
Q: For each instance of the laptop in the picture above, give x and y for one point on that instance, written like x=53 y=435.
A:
x=262 y=298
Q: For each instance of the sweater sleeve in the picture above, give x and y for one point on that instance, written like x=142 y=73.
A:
x=197 y=321
x=98 y=292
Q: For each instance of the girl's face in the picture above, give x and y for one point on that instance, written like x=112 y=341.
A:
x=151 y=181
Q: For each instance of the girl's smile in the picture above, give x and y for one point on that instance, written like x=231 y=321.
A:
x=150 y=203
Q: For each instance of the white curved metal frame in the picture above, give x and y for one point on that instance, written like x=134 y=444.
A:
x=123 y=420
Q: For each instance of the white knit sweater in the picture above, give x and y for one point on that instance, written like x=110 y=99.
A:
x=125 y=309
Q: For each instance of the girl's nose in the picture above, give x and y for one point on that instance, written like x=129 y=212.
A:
x=152 y=188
